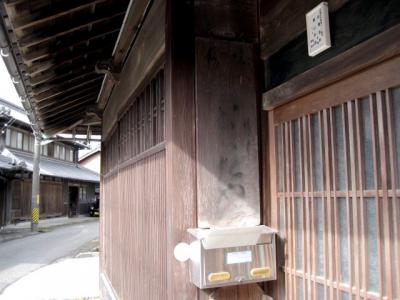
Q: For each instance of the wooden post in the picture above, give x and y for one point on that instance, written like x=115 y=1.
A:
x=180 y=139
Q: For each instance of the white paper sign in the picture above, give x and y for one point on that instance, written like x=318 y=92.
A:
x=238 y=257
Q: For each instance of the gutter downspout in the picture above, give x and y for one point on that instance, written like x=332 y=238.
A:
x=17 y=79
x=11 y=65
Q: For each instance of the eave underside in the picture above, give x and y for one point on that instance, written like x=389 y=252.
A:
x=56 y=45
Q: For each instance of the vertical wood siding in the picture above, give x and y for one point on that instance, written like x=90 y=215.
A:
x=134 y=229
x=133 y=219
x=51 y=201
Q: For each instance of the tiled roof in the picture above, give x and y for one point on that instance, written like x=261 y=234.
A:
x=50 y=167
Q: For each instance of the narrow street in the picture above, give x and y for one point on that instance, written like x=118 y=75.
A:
x=22 y=256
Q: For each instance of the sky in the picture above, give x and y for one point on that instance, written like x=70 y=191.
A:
x=7 y=89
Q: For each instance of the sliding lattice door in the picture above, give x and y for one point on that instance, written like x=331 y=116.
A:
x=336 y=194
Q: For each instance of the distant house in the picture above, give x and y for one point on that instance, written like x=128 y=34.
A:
x=66 y=187
x=91 y=159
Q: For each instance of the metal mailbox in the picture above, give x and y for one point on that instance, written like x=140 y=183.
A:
x=222 y=257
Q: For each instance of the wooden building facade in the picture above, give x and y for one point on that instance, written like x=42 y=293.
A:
x=213 y=115
x=66 y=188
x=324 y=131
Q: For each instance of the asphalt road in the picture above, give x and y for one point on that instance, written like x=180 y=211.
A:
x=22 y=256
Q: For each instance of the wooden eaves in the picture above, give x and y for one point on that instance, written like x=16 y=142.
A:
x=56 y=46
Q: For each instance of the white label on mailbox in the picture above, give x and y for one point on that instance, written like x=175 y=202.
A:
x=238 y=257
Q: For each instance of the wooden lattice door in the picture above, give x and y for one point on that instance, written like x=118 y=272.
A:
x=335 y=170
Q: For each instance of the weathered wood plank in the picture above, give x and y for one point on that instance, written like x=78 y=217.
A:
x=227 y=19
x=227 y=143
x=282 y=21
x=144 y=56
x=180 y=139
x=45 y=16
x=373 y=51
x=34 y=39
x=240 y=292
x=375 y=78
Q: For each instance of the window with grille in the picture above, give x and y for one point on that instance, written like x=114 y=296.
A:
x=140 y=128
x=338 y=193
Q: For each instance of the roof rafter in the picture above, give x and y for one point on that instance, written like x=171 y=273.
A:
x=40 y=18
x=48 y=95
x=32 y=56
x=70 y=97
x=33 y=39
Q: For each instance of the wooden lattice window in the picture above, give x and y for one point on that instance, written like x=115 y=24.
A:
x=338 y=199
x=140 y=128
x=111 y=153
x=142 y=125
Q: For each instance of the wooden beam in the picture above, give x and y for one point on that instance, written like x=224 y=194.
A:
x=227 y=20
x=68 y=106
x=63 y=103
x=60 y=11
x=377 y=49
x=80 y=92
x=50 y=95
x=69 y=75
x=64 y=121
x=133 y=20
x=377 y=77
x=180 y=141
x=93 y=55
x=31 y=56
x=73 y=109
x=139 y=64
x=282 y=21
x=52 y=76
x=64 y=85
x=33 y=39
x=132 y=25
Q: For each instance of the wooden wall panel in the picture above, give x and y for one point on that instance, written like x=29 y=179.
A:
x=228 y=186
x=51 y=201
x=133 y=227
x=147 y=50
x=133 y=240
x=226 y=19
x=282 y=21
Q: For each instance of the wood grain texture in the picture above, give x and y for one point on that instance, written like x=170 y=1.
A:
x=227 y=142
x=282 y=21
x=56 y=46
x=51 y=199
x=357 y=197
x=133 y=228
x=241 y=292
x=180 y=139
x=145 y=54
x=136 y=14
x=373 y=51
x=226 y=19
x=372 y=79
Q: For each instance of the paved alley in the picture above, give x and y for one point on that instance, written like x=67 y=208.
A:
x=20 y=257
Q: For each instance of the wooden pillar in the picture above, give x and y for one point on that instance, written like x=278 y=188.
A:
x=180 y=139
x=187 y=22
